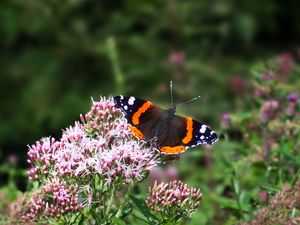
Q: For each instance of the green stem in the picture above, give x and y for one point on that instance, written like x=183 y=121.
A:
x=129 y=190
x=110 y=200
x=97 y=187
x=95 y=216
x=113 y=55
x=265 y=143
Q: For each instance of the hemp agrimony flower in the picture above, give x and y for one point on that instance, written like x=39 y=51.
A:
x=98 y=157
x=55 y=199
x=173 y=200
x=101 y=144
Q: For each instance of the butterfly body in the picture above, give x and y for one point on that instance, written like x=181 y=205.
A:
x=163 y=123
x=172 y=133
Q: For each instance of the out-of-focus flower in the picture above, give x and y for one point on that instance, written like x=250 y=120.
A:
x=267 y=75
x=269 y=110
x=291 y=109
x=12 y=160
x=171 y=173
x=174 y=199
x=160 y=174
x=279 y=208
x=5 y=204
x=259 y=92
x=263 y=196
x=53 y=200
x=272 y=142
x=293 y=98
x=238 y=85
x=226 y=121
x=177 y=59
x=101 y=144
x=285 y=62
x=156 y=175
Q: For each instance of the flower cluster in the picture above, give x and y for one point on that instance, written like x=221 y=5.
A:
x=280 y=208
x=226 y=121
x=269 y=110
x=173 y=199
x=55 y=199
x=40 y=157
x=96 y=157
x=293 y=101
x=177 y=59
x=266 y=134
x=285 y=63
x=100 y=144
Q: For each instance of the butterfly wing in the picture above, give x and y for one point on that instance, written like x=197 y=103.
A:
x=172 y=136
x=184 y=133
x=142 y=115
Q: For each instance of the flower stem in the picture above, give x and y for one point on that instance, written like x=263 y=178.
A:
x=110 y=201
x=113 y=55
x=129 y=190
x=265 y=143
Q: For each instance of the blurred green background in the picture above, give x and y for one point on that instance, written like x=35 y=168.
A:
x=56 y=55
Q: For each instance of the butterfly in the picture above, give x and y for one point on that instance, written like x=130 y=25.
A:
x=172 y=133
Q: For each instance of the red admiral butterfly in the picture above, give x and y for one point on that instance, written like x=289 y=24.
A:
x=173 y=134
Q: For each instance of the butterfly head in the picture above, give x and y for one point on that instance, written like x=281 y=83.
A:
x=171 y=110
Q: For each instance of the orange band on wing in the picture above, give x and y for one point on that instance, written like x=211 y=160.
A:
x=136 y=116
x=189 y=131
x=172 y=150
x=136 y=132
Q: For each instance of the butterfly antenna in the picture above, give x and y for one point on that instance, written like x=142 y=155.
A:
x=171 y=90
x=193 y=99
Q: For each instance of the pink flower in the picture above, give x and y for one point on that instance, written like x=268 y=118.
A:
x=126 y=161
x=238 y=84
x=101 y=144
x=226 y=121
x=285 y=62
x=173 y=199
x=160 y=174
x=54 y=199
x=40 y=157
x=177 y=59
x=259 y=92
x=269 y=110
x=267 y=75
x=293 y=98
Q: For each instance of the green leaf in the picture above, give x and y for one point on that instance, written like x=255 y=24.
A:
x=257 y=69
x=145 y=210
x=227 y=203
x=118 y=221
x=126 y=210
x=236 y=185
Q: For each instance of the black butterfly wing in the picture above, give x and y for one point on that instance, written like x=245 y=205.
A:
x=184 y=133
x=142 y=115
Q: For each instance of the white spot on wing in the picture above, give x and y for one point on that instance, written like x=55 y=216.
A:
x=203 y=129
x=131 y=100
x=202 y=137
x=125 y=107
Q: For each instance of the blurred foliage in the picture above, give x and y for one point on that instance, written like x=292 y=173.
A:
x=55 y=55
x=258 y=156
